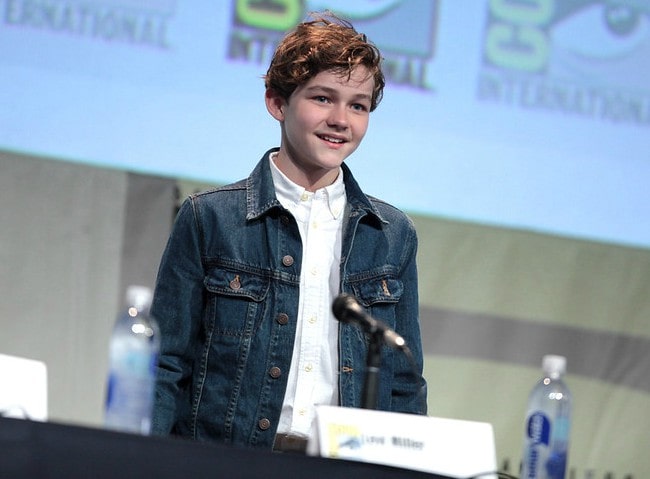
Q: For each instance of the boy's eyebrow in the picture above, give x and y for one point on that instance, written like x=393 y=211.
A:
x=326 y=89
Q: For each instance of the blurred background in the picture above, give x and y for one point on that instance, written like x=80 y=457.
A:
x=515 y=133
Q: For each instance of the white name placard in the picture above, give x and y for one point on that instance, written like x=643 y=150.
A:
x=450 y=447
x=23 y=388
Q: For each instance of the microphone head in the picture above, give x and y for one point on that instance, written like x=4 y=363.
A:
x=343 y=305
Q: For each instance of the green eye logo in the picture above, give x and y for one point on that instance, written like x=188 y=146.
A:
x=577 y=57
x=405 y=32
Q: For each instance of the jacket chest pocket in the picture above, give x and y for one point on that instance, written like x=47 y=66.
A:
x=235 y=301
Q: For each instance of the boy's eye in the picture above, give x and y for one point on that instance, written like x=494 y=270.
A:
x=359 y=107
x=321 y=99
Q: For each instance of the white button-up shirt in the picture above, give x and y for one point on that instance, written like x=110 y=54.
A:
x=313 y=376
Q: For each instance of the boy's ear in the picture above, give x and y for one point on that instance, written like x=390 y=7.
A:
x=275 y=104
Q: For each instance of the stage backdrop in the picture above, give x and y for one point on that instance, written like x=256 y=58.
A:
x=514 y=132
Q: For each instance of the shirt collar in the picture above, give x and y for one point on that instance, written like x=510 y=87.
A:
x=289 y=193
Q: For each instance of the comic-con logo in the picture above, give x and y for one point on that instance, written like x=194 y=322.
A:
x=581 y=57
x=404 y=31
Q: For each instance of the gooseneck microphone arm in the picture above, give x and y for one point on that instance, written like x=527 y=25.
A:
x=370 y=391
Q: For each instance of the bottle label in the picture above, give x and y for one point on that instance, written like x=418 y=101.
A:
x=539 y=429
x=543 y=459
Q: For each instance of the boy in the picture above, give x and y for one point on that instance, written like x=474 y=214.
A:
x=246 y=283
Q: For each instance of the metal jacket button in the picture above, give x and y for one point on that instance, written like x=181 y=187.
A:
x=235 y=284
x=264 y=424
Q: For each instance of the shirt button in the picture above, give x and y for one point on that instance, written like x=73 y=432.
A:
x=308 y=368
x=287 y=260
x=312 y=319
x=282 y=318
x=275 y=372
x=264 y=424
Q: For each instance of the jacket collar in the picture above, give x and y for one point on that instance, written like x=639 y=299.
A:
x=260 y=192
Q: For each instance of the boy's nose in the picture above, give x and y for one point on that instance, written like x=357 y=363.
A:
x=338 y=117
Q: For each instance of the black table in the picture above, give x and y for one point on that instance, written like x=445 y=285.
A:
x=38 y=450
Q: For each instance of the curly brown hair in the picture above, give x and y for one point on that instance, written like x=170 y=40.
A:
x=326 y=42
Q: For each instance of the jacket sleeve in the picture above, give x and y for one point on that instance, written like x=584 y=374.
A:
x=409 y=390
x=177 y=306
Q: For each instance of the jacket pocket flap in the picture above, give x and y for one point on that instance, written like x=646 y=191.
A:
x=237 y=284
x=378 y=290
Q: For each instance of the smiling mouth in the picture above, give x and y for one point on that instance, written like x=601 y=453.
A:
x=331 y=139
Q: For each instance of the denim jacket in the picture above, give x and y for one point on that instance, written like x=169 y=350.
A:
x=226 y=301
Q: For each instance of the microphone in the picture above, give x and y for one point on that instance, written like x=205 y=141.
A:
x=347 y=310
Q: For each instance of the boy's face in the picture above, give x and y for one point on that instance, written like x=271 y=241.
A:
x=323 y=122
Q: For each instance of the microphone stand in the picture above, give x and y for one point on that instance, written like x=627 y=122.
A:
x=373 y=362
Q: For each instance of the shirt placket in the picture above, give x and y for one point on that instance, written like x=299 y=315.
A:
x=314 y=292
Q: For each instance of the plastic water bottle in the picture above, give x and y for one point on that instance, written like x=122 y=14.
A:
x=133 y=358
x=548 y=423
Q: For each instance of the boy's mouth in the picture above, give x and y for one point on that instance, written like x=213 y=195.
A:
x=331 y=139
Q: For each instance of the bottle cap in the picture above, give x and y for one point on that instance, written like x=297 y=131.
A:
x=554 y=365
x=139 y=297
